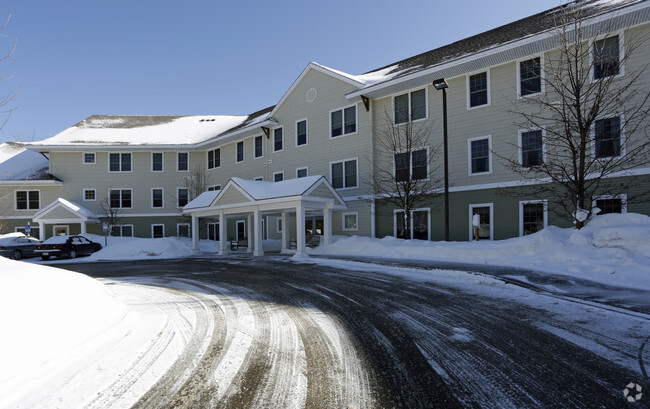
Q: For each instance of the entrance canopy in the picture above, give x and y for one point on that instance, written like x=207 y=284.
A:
x=64 y=212
x=241 y=197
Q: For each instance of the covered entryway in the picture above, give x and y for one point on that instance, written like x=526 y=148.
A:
x=61 y=214
x=251 y=200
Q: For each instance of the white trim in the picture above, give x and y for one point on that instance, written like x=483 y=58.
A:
x=61 y=226
x=243 y=152
x=356 y=221
x=207 y=160
x=259 y=178
x=356 y=159
x=278 y=224
x=621 y=135
x=178 y=189
x=419 y=209
x=89 y=190
x=278 y=173
x=306 y=132
x=162 y=197
x=521 y=213
x=474 y=206
x=108 y=156
x=255 y=147
x=356 y=121
x=237 y=223
x=156 y=225
x=162 y=162
x=281 y=128
x=189 y=231
x=469 y=155
x=408 y=93
x=28 y=209
x=83 y=158
x=121 y=226
x=306 y=168
x=178 y=162
x=621 y=54
x=622 y=197
x=489 y=93
x=121 y=189
x=542 y=75
x=520 y=144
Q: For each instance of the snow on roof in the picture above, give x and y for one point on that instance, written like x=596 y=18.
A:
x=205 y=199
x=18 y=163
x=261 y=190
x=144 y=130
x=370 y=78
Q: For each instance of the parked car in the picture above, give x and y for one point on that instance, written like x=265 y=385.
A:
x=17 y=246
x=66 y=246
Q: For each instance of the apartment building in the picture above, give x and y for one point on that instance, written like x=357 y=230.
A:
x=328 y=124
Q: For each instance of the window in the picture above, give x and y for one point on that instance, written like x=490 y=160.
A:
x=214 y=158
x=478 y=93
x=122 y=230
x=259 y=147
x=608 y=137
x=240 y=151
x=606 y=58
x=119 y=162
x=344 y=174
x=90 y=195
x=157 y=162
x=420 y=224
x=278 y=140
x=213 y=231
x=121 y=198
x=413 y=165
x=532 y=217
x=89 y=158
x=215 y=187
x=157 y=198
x=259 y=178
x=301 y=133
x=183 y=230
x=157 y=231
x=343 y=121
x=531 y=148
x=480 y=160
x=609 y=204
x=350 y=221
x=183 y=196
x=485 y=213
x=28 y=199
x=302 y=172
x=412 y=105
x=183 y=162
x=530 y=76
x=278 y=176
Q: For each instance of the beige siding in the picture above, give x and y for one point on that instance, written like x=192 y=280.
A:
x=232 y=196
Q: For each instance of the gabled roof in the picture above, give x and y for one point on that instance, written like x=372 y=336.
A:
x=77 y=211
x=20 y=164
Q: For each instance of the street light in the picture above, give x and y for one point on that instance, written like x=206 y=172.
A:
x=441 y=84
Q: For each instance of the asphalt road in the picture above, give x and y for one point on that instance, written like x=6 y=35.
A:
x=270 y=333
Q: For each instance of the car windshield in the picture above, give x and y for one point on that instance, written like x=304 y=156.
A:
x=57 y=240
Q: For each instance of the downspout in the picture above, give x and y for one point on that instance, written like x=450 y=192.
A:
x=373 y=227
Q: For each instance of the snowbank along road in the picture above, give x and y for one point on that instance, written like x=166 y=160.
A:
x=270 y=333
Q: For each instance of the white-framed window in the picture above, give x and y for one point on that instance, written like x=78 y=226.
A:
x=350 y=221
x=182 y=230
x=28 y=200
x=214 y=187
x=413 y=165
x=302 y=172
x=486 y=214
x=121 y=198
x=120 y=162
x=278 y=139
x=183 y=161
x=258 y=178
x=214 y=158
x=609 y=137
x=531 y=147
x=157 y=198
x=420 y=222
x=478 y=89
x=301 y=132
x=213 y=231
x=157 y=162
x=607 y=57
x=410 y=106
x=530 y=76
x=182 y=196
x=343 y=121
x=90 y=195
x=611 y=203
x=240 y=226
x=122 y=230
x=88 y=158
x=157 y=231
x=533 y=216
x=259 y=147
x=344 y=174
x=239 y=155
x=479 y=154
x=278 y=224
x=278 y=176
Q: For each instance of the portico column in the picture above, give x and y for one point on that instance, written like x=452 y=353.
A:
x=223 y=232
x=249 y=229
x=195 y=233
x=300 y=229
x=259 y=250
x=83 y=227
x=41 y=231
x=327 y=226
x=285 y=227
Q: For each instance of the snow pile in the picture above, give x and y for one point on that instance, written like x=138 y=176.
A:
x=133 y=248
x=46 y=314
x=612 y=249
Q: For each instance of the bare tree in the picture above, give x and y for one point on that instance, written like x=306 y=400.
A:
x=111 y=213
x=405 y=172
x=197 y=182
x=588 y=128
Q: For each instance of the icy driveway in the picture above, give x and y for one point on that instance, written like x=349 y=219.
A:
x=271 y=333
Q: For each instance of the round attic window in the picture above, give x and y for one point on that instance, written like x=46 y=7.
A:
x=311 y=95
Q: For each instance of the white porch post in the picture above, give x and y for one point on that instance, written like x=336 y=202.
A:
x=83 y=227
x=223 y=231
x=373 y=223
x=41 y=231
x=285 y=227
x=327 y=226
x=251 y=231
x=259 y=250
x=300 y=229
x=195 y=233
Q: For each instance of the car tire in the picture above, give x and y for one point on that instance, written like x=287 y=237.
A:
x=73 y=254
x=45 y=257
x=17 y=254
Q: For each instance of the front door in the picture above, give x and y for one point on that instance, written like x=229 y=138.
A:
x=241 y=230
x=61 y=230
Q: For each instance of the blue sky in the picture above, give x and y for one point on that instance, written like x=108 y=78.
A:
x=77 y=58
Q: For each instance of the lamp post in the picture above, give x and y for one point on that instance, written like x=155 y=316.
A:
x=441 y=84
